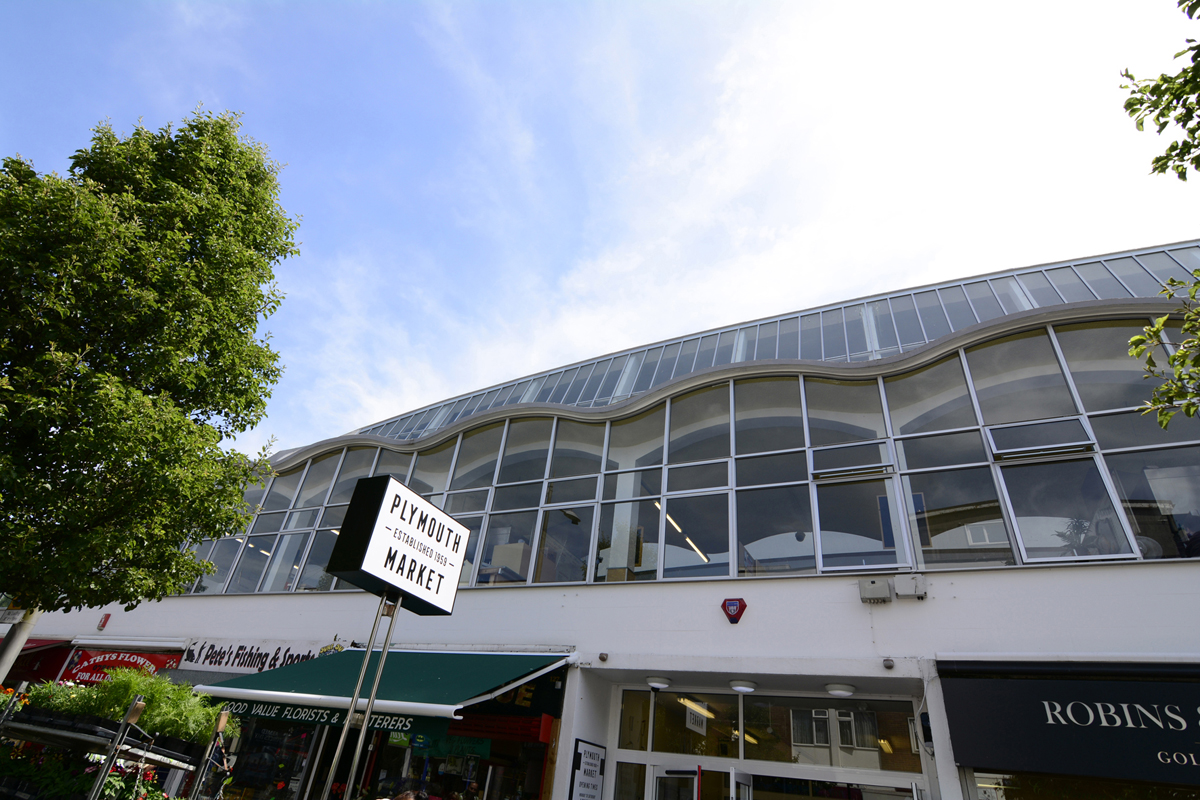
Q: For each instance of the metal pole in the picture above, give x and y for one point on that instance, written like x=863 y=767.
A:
x=131 y=715
x=213 y=740
x=362 y=673
x=362 y=736
x=12 y=702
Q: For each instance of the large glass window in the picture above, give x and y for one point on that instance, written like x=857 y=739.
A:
x=1062 y=510
x=768 y=415
x=637 y=441
x=933 y=398
x=856 y=734
x=432 y=468
x=859 y=524
x=629 y=485
x=476 y=463
x=628 y=547
x=941 y=451
x=250 y=566
x=697 y=536
x=356 y=464
x=1097 y=354
x=525 y=450
x=564 y=543
x=314 y=578
x=577 y=447
x=843 y=411
x=316 y=482
x=284 y=568
x=283 y=489
x=696 y=724
x=635 y=720
x=955 y=515
x=1160 y=491
x=474 y=526
x=775 y=531
x=778 y=468
x=700 y=425
x=507 y=548
x=1017 y=378
x=223 y=552
x=1135 y=429
x=393 y=463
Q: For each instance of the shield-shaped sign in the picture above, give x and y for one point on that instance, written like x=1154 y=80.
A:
x=734 y=607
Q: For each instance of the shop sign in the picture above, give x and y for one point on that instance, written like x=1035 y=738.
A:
x=1132 y=730
x=89 y=666
x=249 y=655
x=587 y=771
x=316 y=715
x=393 y=541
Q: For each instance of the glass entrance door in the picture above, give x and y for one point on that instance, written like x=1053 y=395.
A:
x=743 y=785
x=674 y=784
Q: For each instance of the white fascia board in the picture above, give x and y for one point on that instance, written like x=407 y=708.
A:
x=331 y=701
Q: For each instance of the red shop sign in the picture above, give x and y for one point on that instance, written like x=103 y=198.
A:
x=89 y=666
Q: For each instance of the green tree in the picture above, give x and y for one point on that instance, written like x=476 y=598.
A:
x=131 y=290
x=1172 y=101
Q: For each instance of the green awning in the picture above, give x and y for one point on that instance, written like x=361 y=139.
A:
x=426 y=684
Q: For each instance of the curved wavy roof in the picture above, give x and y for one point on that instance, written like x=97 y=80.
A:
x=867 y=329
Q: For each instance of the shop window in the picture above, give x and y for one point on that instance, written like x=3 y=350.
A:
x=1062 y=510
x=474 y=525
x=941 y=451
x=955 y=517
x=1017 y=378
x=316 y=482
x=224 y=551
x=268 y=523
x=299 y=520
x=628 y=544
x=700 y=425
x=1160 y=492
x=526 y=450
x=1097 y=355
x=314 y=578
x=333 y=516
x=629 y=485
x=933 y=398
x=843 y=411
x=779 y=468
x=859 y=524
x=393 y=463
x=284 y=567
x=856 y=734
x=283 y=489
x=697 y=536
x=1135 y=429
x=775 y=531
x=507 y=548
x=696 y=724
x=432 y=469
x=767 y=415
x=476 y=463
x=637 y=441
x=564 y=544
x=1014 y=785
x=577 y=447
x=576 y=491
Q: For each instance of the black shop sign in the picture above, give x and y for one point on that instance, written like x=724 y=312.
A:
x=1129 y=729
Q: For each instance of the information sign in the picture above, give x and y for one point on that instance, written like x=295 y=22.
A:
x=393 y=541
x=587 y=771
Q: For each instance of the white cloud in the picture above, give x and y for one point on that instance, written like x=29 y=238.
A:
x=813 y=152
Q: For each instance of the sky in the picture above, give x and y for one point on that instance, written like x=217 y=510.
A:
x=491 y=189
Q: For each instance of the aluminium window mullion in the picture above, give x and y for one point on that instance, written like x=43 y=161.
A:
x=660 y=554
x=1083 y=280
x=731 y=504
x=966 y=368
x=336 y=473
x=1124 y=285
x=911 y=547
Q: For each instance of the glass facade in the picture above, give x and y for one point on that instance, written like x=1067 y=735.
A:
x=1018 y=449
x=863 y=330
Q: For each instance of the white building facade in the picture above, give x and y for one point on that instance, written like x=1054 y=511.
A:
x=921 y=544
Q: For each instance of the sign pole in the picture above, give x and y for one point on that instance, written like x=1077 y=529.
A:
x=362 y=673
x=366 y=728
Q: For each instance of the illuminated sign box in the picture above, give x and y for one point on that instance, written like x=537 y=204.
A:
x=395 y=542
